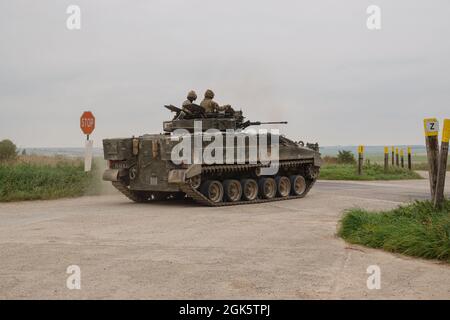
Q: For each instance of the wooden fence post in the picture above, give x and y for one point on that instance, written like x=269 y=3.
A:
x=409 y=159
x=397 y=162
x=431 y=126
x=442 y=165
x=392 y=155
x=386 y=159
x=402 y=158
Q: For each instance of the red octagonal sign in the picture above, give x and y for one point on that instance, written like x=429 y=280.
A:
x=87 y=122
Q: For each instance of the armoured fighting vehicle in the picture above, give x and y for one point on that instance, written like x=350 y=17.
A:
x=214 y=158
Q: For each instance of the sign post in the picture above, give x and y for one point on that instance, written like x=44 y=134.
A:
x=87 y=125
x=442 y=165
x=397 y=159
x=360 y=159
x=402 y=158
x=386 y=159
x=409 y=159
x=431 y=127
x=392 y=155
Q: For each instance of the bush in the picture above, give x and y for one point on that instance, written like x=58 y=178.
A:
x=345 y=157
x=33 y=181
x=416 y=230
x=8 y=150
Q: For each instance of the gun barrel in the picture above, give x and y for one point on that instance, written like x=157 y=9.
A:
x=274 y=122
x=257 y=123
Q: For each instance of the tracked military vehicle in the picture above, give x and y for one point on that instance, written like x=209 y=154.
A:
x=154 y=167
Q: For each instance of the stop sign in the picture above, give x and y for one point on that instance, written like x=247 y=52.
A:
x=87 y=122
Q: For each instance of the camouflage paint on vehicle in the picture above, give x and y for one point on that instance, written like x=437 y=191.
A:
x=142 y=167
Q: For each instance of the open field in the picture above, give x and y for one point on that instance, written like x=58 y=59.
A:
x=379 y=158
x=178 y=249
x=42 y=177
x=369 y=172
x=419 y=162
x=375 y=154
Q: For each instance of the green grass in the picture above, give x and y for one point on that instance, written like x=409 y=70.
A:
x=424 y=166
x=416 y=230
x=370 y=172
x=379 y=158
x=419 y=162
x=33 y=181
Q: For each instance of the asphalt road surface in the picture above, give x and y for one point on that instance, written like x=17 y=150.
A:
x=286 y=250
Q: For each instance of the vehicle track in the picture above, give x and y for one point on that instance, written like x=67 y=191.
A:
x=198 y=197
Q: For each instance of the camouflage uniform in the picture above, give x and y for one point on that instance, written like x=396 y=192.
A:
x=210 y=105
x=191 y=97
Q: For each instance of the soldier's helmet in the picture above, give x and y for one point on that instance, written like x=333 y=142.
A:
x=191 y=95
x=209 y=94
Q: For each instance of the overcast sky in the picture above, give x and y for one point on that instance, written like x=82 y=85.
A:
x=313 y=63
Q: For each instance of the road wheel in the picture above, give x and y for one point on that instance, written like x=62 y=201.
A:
x=232 y=190
x=249 y=189
x=283 y=186
x=213 y=190
x=267 y=188
x=298 y=185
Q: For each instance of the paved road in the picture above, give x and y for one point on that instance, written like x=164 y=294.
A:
x=283 y=250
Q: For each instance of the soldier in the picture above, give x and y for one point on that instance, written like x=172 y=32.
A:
x=210 y=105
x=191 y=97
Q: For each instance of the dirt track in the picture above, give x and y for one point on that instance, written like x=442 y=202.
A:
x=180 y=250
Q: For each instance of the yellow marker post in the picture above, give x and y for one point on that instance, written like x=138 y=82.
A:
x=446 y=131
x=431 y=130
x=442 y=165
x=397 y=162
x=360 y=158
x=402 y=158
x=392 y=155
x=409 y=158
x=386 y=159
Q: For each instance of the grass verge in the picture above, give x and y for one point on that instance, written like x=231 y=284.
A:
x=38 y=180
x=416 y=230
x=370 y=172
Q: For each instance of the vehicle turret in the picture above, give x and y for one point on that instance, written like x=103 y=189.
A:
x=191 y=116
